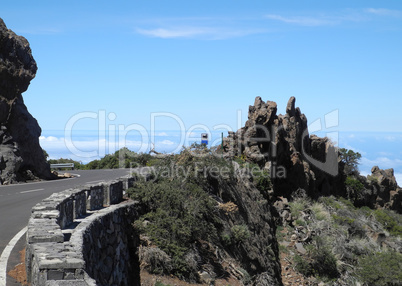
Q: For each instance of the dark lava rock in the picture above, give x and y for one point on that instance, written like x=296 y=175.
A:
x=282 y=145
x=20 y=152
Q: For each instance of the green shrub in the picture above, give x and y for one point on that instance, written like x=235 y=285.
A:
x=366 y=210
x=330 y=202
x=347 y=203
x=354 y=184
x=121 y=158
x=322 y=264
x=350 y=159
x=262 y=179
x=325 y=263
x=246 y=277
x=300 y=222
x=303 y=266
x=298 y=205
x=379 y=269
x=179 y=210
x=372 y=179
x=226 y=239
x=390 y=221
x=342 y=219
x=177 y=214
x=279 y=233
x=319 y=211
x=158 y=283
x=240 y=233
x=156 y=261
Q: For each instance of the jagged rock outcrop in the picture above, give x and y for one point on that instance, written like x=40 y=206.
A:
x=281 y=143
x=380 y=190
x=21 y=156
x=303 y=164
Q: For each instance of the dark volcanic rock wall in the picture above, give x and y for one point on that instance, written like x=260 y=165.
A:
x=301 y=164
x=20 y=152
x=281 y=143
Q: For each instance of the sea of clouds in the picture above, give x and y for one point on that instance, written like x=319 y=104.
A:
x=377 y=149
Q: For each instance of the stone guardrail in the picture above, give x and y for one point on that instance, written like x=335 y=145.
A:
x=82 y=237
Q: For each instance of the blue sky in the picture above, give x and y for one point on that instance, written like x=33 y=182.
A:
x=206 y=61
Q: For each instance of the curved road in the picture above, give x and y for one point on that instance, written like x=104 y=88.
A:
x=16 y=201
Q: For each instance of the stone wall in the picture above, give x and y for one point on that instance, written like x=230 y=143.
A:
x=108 y=245
x=83 y=237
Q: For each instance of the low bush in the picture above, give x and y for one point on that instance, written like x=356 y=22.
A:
x=158 y=283
x=380 y=269
x=156 y=260
x=354 y=184
x=322 y=263
x=239 y=233
x=390 y=221
x=299 y=205
x=180 y=209
x=330 y=202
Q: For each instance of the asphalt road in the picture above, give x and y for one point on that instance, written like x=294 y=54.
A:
x=16 y=201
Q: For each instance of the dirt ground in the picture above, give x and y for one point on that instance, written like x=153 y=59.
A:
x=18 y=273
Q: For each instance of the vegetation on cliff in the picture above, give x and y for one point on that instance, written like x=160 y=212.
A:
x=123 y=158
x=333 y=241
x=213 y=217
x=205 y=220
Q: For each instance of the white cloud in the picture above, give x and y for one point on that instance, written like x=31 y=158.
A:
x=87 y=150
x=303 y=21
x=174 y=33
x=162 y=134
x=334 y=18
x=48 y=139
x=390 y=138
x=384 y=12
x=165 y=142
x=382 y=162
x=194 y=32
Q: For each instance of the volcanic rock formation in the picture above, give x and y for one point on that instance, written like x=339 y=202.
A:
x=380 y=190
x=281 y=144
x=21 y=156
x=300 y=164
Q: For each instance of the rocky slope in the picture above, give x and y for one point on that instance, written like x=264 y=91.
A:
x=21 y=156
x=211 y=224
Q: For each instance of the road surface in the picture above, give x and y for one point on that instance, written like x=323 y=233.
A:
x=16 y=201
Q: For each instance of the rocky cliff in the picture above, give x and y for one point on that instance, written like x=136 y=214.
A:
x=21 y=156
x=281 y=144
x=212 y=226
x=300 y=164
x=378 y=190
